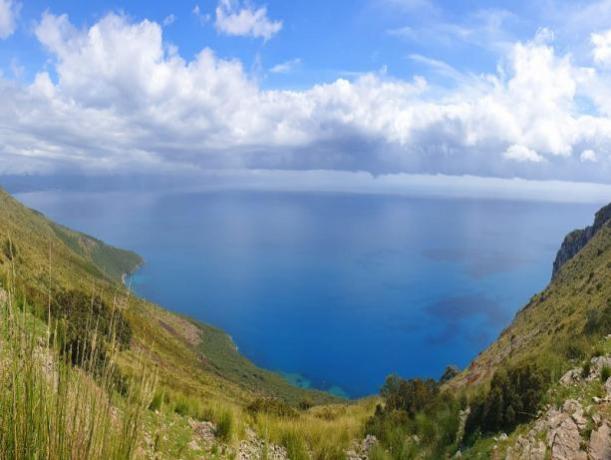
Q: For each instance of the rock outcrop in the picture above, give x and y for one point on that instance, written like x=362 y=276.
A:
x=360 y=450
x=577 y=239
x=600 y=443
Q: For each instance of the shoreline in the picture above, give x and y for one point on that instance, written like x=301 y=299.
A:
x=125 y=275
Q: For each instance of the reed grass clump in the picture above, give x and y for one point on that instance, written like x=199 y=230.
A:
x=62 y=402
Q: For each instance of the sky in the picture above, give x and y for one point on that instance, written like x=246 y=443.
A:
x=360 y=88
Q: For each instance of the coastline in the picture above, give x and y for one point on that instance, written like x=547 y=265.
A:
x=129 y=273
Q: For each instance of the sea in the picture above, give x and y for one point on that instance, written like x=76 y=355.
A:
x=334 y=291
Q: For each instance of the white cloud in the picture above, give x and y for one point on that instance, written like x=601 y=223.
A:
x=522 y=153
x=286 y=67
x=203 y=18
x=120 y=99
x=588 y=156
x=602 y=47
x=169 y=20
x=235 y=18
x=485 y=28
x=9 y=11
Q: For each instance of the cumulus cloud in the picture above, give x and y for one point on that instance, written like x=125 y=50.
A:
x=9 y=10
x=522 y=153
x=588 y=156
x=238 y=19
x=602 y=47
x=118 y=98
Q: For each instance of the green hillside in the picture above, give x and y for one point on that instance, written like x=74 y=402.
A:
x=149 y=383
x=200 y=374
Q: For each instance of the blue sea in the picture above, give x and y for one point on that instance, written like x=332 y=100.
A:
x=334 y=291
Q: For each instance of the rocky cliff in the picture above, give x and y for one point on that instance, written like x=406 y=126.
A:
x=577 y=239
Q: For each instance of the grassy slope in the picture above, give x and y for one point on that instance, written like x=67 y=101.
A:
x=192 y=358
x=549 y=329
x=200 y=363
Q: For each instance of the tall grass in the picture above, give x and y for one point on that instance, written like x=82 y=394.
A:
x=321 y=433
x=50 y=409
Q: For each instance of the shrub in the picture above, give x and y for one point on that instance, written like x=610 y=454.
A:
x=514 y=397
x=182 y=408
x=449 y=374
x=305 y=404
x=157 y=401
x=415 y=407
x=86 y=326
x=271 y=406
x=605 y=373
x=598 y=321
x=225 y=426
x=411 y=396
x=585 y=370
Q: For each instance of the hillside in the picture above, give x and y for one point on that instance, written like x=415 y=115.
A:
x=200 y=374
x=177 y=388
x=560 y=324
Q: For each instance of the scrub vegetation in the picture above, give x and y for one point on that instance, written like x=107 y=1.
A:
x=88 y=370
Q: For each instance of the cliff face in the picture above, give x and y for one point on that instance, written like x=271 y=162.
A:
x=578 y=239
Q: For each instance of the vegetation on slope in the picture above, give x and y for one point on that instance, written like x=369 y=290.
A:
x=514 y=386
x=74 y=282
x=77 y=322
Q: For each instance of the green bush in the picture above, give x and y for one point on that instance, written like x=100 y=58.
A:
x=305 y=404
x=514 y=398
x=605 y=373
x=598 y=321
x=157 y=401
x=585 y=370
x=85 y=327
x=411 y=396
x=271 y=406
x=225 y=426
x=449 y=374
x=415 y=408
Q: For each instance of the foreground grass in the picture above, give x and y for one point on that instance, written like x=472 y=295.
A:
x=53 y=410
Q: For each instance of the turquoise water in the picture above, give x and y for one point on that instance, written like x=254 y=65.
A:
x=334 y=291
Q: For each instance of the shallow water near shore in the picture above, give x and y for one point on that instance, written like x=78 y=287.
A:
x=333 y=291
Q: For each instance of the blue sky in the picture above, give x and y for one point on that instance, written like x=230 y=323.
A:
x=329 y=40
x=382 y=87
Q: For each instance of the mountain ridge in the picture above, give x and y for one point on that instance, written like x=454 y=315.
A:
x=576 y=240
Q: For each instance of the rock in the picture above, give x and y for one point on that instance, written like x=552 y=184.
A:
x=205 y=432
x=503 y=437
x=564 y=439
x=254 y=448
x=526 y=448
x=608 y=387
x=600 y=443
x=571 y=377
x=369 y=442
x=193 y=445
x=575 y=410
x=596 y=366
x=360 y=450
x=578 y=239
